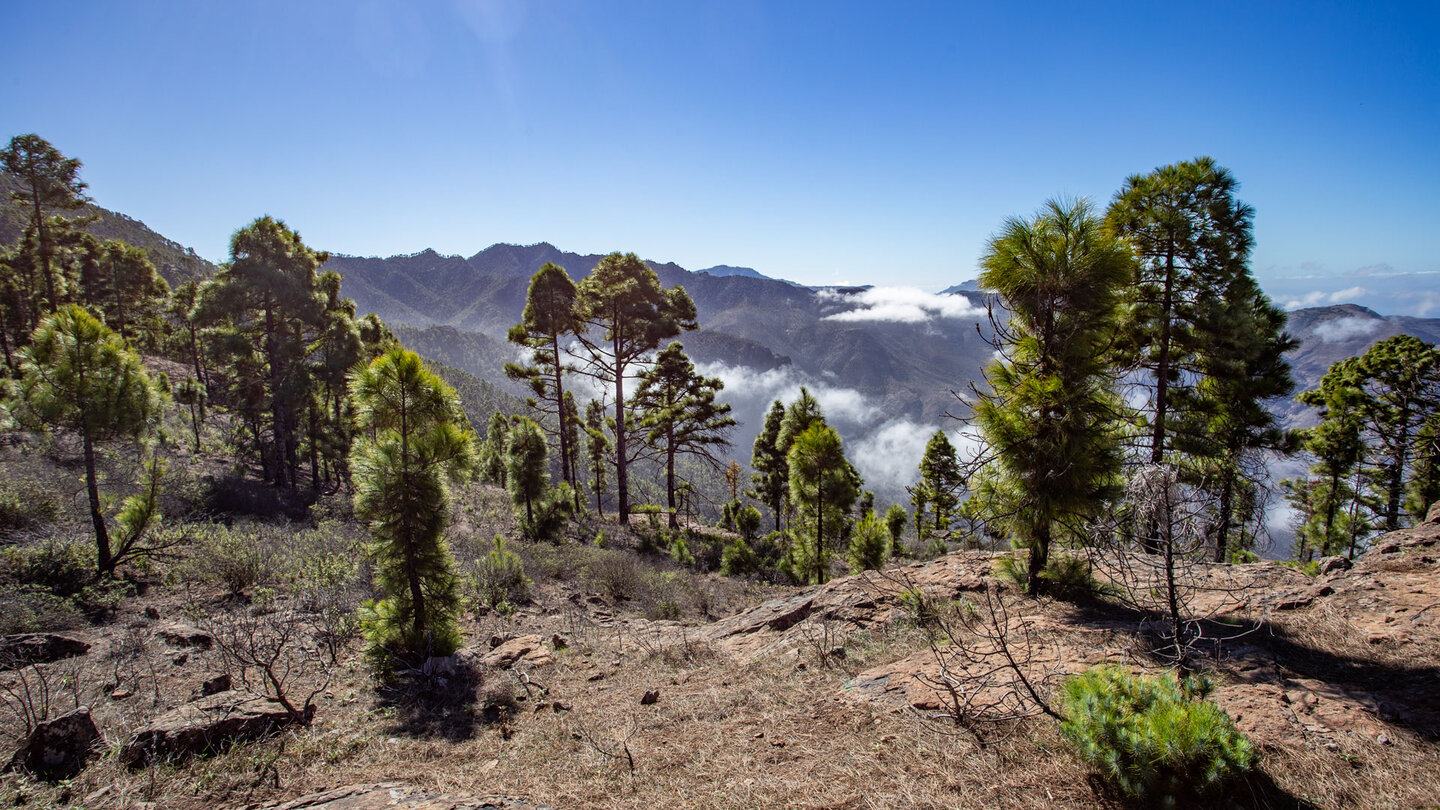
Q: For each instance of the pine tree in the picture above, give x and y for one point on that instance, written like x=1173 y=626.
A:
x=869 y=544
x=413 y=446
x=1192 y=237
x=823 y=487
x=1399 y=379
x=269 y=296
x=495 y=451
x=1051 y=414
x=895 y=522
x=119 y=282
x=597 y=446
x=679 y=413
x=625 y=314
x=1339 y=450
x=941 y=480
x=525 y=465
x=1225 y=422
x=1424 y=487
x=772 y=476
x=78 y=374
x=49 y=183
x=548 y=319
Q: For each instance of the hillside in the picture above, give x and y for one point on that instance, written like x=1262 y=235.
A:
x=175 y=262
x=885 y=363
x=623 y=681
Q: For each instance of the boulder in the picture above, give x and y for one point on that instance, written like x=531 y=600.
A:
x=183 y=635
x=395 y=796
x=529 y=650
x=38 y=648
x=207 y=724
x=1336 y=563
x=59 y=748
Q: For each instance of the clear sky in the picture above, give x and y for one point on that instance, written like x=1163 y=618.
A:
x=823 y=142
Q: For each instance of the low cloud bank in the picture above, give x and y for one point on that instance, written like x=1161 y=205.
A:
x=899 y=305
x=1342 y=329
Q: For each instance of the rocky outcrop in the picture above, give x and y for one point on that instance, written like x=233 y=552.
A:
x=59 y=748
x=197 y=728
x=38 y=648
x=395 y=796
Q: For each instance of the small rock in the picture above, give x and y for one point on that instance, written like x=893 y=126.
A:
x=121 y=694
x=599 y=676
x=496 y=641
x=558 y=642
x=837 y=652
x=801 y=666
x=180 y=659
x=560 y=706
x=59 y=748
x=152 y=613
x=481 y=610
x=1383 y=739
x=183 y=635
x=650 y=696
x=216 y=685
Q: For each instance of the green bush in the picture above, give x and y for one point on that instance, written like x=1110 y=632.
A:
x=32 y=609
x=738 y=559
x=1151 y=738
x=61 y=567
x=26 y=505
x=500 y=577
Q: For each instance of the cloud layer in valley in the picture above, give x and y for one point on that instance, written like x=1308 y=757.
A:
x=898 y=305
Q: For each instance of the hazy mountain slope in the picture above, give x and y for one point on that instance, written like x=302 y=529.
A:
x=174 y=261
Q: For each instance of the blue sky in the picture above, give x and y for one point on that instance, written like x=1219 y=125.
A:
x=824 y=142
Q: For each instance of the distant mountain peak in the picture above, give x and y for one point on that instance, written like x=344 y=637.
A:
x=729 y=270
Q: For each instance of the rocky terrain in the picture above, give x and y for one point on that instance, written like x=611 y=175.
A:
x=879 y=690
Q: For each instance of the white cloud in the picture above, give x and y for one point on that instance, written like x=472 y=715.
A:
x=751 y=390
x=899 y=305
x=1342 y=329
x=888 y=457
x=1347 y=294
x=1310 y=299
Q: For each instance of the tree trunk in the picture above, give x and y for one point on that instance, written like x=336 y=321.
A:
x=1038 y=557
x=670 y=474
x=1227 y=496
x=103 y=561
x=622 y=480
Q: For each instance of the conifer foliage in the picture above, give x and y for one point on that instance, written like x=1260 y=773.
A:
x=414 y=445
x=1051 y=414
x=80 y=375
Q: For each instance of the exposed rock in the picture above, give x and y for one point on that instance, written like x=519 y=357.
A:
x=185 y=636
x=59 y=748
x=38 y=648
x=1433 y=516
x=1330 y=565
x=216 y=685
x=395 y=796
x=529 y=650
x=650 y=697
x=199 y=727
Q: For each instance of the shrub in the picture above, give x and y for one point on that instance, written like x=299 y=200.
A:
x=500 y=577
x=612 y=573
x=680 y=552
x=549 y=513
x=1150 y=737
x=32 y=609
x=869 y=544
x=61 y=567
x=26 y=505
x=738 y=559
